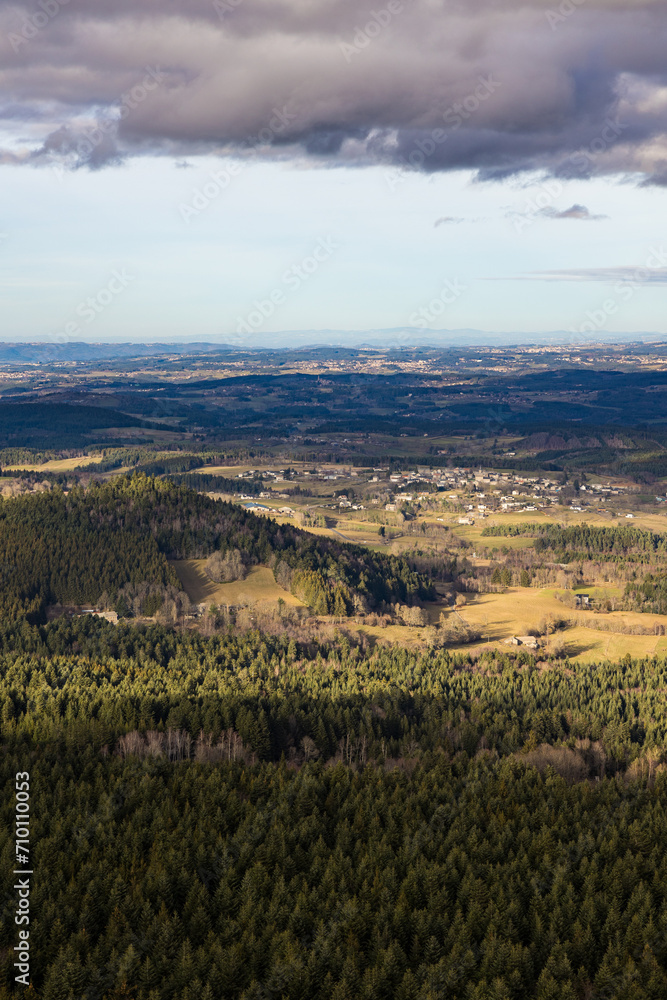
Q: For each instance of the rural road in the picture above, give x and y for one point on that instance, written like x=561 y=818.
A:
x=344 y=537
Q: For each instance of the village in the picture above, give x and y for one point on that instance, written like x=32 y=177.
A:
x=472 y=493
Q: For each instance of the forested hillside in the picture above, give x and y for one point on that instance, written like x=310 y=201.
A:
x=70 y=548
x=237 y=817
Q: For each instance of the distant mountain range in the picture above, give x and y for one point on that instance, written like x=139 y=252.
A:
x=397 y=338
x=48 y=354
x=406 y=338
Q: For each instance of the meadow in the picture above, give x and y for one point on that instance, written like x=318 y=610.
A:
x=58 y=464
x=520 y=609
x=258 y=587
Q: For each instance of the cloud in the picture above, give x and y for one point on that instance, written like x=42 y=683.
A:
x=653 y=272
x=446 y=219
x=91 y=145
x=496 y=86
x=573 y=212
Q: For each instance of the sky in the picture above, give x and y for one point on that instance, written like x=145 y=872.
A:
x=239 y=170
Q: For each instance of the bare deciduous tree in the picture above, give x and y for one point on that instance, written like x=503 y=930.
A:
x=225 y=568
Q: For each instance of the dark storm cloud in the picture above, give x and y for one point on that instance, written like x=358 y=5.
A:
x=577 y=89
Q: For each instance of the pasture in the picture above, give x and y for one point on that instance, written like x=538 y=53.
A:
x=258 y=587
x=57 y=464
x=519 y=609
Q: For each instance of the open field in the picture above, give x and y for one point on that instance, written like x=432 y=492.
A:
x=499 y=616
x=353 y=522
x=230 y=471
x=584 y=645
x=555 y=515
x=57 y=464
x=503 y=615
x=601 y=592
x=401 y=635
x=259 y=586
x=649 y=520
x=473 y=533
x=367 y=535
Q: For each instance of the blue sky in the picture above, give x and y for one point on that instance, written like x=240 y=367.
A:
x=394 y=242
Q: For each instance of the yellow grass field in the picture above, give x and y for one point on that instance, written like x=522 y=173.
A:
x=258 y=587
x=554 y=515
x=400 y=635
x=501 y=616
x=230 y=471
x=649 y=521
x=57 y=464
x=473 y=533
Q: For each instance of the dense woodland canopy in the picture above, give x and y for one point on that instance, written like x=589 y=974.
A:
x=242 y=817
x=107 y=681
x=41 y=425
x=470 y=879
